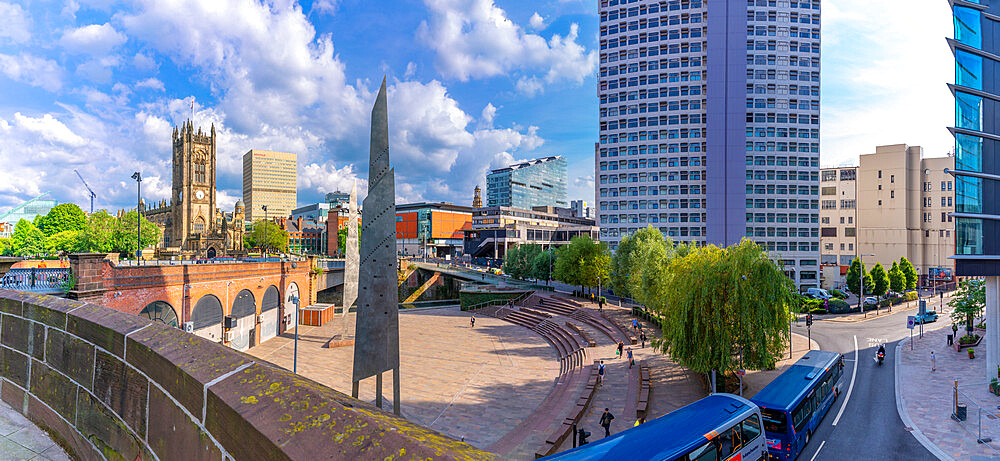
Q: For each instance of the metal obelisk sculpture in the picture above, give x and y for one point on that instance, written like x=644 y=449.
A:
x=376 y=346
x=351 y=258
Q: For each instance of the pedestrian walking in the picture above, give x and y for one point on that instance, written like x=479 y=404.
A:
x=606 y=421
x=933 y=362
x=631 y=361
x=642 y=337
x=635 y=324
x=600 y=373
x=472 y=322
x=621 y=347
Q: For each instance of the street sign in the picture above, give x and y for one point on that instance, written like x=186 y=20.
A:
x=741 y=372
x=911 y=321
x=923 y=307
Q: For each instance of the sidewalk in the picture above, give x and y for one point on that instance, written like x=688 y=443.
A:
x=925 y=398
x=20 y=439
x=933 y=304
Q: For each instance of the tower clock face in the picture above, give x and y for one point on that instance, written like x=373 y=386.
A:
x=200 y=195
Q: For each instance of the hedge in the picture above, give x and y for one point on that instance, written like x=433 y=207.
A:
x=839 y=306
x=837 y=293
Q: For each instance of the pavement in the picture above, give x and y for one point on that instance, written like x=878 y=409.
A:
x=21 y=439
x=926 y=397
x=474 y=384
x=933 y=303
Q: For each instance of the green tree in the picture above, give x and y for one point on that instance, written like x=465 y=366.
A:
x=61 y=218
x=583 y=262
x=969 y=302
x=123 y=236
x=909 y=273
x=854 y=276
x=99 y=233
x=728 y=308
x=518 y=262
x=625 y=264
x=27 y=239
x=277 y=238
x=342 y=239
x=6 y=247
x=897 y=282
x=541 y=266
x=65 y=242
x=880 y=279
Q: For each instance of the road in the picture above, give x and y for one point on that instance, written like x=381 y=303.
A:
x=870 y=427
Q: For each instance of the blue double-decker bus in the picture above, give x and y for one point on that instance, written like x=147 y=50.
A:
x=796 y=401
x=717 y=427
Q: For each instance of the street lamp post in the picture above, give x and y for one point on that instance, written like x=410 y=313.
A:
x=137 y=176
x=295 y=353
x=262 y=247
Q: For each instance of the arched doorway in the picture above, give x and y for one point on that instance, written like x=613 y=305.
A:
x=290 y=315
x=244 y=312
x=160 y=311
x=269 y=313
x=211 y=252
x=207 y=318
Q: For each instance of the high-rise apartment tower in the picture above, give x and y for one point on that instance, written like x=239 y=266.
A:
x=269 y=178
x=709 y=124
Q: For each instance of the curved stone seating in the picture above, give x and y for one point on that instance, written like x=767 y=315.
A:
x=555 y=307
x=566 y=429
x=110 y=385
x=570 y=348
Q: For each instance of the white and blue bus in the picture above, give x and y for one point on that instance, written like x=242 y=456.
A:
x=794 y=403
x=717 y=427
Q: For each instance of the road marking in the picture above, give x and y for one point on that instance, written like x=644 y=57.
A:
x=850 y=388
x=817 y=451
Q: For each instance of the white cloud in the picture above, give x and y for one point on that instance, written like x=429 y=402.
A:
x=98 y=69
x=475 y=39
x=144 y=62
x=94 y=39
x=14 y=23
x=879 y=91
x=536 y=21
x=32 y=70
x=486 y=117
x=150 y=83
x=411 y=69
x=325 y=6
x=327 y=177
x=48 y=127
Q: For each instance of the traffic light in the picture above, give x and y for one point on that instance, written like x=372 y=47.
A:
x=809 y=320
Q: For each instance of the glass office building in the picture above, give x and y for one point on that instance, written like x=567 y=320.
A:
x=28 y=210
x=709 y=124
x=977 y=136
x=538 y=182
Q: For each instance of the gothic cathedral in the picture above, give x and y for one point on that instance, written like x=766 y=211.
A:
x=192 y=225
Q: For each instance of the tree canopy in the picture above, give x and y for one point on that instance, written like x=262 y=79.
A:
x=519 y=260
x=909 y=273
x=124 y=234
x=626 y=264
x=723 y=308
x=98 y=236
x=854 y=278
x=277 y=238
x=897 y=282
x=69 y=241
x=880 y=280
x=61 y=218
x=6 y=247
x=582 y=262
x=541 y=266
x=969 y=302
x=27 y=239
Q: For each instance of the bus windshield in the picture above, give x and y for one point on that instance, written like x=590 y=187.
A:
x=775 y=421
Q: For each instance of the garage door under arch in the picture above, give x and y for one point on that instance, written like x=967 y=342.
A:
x=244 y=312
x=269 y=313
x=207 y=318
x=160 y=311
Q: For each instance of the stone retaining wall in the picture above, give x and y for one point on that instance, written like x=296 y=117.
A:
x=109 y=385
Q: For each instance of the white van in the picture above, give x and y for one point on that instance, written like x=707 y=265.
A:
x=818 y=293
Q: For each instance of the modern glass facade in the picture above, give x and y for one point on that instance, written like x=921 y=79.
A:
x=29 y=210
x=539 y=182
x=709 y=124
x=976 y=45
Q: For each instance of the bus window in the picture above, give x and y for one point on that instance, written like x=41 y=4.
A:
x=802 y=412
x=706 y=452
x=751 y=428
x=775 y=421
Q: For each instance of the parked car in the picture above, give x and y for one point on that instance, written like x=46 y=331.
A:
x=818 y=293
x=928 y=317
x=871 y=301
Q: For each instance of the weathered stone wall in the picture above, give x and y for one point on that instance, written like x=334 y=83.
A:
x=110 y=385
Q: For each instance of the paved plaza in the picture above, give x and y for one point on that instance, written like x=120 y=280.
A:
x=20 y=439
x=475 y=384
x=927 y=396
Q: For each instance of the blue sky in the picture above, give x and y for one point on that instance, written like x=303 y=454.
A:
x=473 y=84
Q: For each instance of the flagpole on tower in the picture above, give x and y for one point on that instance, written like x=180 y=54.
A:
x=192 y=109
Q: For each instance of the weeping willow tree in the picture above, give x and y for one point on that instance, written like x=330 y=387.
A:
x=723 y=308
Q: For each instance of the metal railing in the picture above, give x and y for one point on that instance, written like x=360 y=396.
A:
x=37 y=280
x=188 y=262
x=501 y=302
x=976 y=411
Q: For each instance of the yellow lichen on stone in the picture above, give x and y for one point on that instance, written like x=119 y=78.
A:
x=251 y=399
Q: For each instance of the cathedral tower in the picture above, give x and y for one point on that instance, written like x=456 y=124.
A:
x=193 y=190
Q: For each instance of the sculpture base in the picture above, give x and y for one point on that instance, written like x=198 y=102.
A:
x=339 y=341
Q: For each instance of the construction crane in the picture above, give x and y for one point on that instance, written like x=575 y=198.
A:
x=92 y=194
